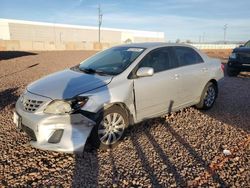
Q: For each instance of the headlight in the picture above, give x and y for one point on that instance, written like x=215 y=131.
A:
x=233 y=56
x=66 y=106
x=58 y=107
x=78 y=102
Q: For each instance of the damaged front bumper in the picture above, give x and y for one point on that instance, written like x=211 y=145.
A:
x=63 y=133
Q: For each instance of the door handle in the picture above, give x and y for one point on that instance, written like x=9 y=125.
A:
x=176 y=76
x=204 y=69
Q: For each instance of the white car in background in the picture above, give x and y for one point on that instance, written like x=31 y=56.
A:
x=120 y=86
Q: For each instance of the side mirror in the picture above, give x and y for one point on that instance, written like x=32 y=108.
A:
x=241 y=46
x=145 y=71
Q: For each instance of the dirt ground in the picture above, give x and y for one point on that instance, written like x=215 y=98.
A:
x=222 y=54
x=183 y=149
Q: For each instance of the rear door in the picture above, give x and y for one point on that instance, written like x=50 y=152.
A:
x=159 y=93
x=194 y=73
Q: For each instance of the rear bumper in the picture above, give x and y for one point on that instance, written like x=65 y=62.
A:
x=63 y=133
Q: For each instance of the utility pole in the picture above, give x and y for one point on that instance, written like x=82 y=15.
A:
x=225 y=32
x=99 y=23
x=203 y=37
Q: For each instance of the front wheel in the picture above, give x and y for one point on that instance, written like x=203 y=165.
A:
x=109 y=129
x=208 y=97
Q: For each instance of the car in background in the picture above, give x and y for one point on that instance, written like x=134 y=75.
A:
x=121 y=86
x=239 y=60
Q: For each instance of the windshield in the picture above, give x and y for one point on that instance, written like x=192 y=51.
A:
x=112 y=61
x=247 y=44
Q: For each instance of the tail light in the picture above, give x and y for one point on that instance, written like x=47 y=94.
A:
x=222 y=67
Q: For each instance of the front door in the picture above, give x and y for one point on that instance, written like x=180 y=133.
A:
x=158 y=94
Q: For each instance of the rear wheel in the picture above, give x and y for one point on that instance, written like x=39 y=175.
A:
x=208 y=97
x=110 y=128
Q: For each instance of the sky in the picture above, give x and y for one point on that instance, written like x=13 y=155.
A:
x=195 y=20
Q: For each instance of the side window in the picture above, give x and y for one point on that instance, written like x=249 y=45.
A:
x=160 y=59
x=187 y=56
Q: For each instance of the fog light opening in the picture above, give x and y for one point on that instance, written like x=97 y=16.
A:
x=56 y=136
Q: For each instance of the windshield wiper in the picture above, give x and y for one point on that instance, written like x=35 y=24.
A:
x=87 y=70
x=93 y=71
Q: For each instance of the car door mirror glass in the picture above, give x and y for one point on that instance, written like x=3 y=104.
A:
x=145 y=71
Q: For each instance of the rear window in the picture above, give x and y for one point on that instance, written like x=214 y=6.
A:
x=187 y=56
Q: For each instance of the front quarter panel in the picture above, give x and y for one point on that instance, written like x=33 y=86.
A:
x=118 y=91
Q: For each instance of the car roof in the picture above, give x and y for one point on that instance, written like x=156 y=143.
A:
x=149 y=45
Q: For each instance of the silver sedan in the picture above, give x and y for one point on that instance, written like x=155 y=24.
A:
x=121 y=86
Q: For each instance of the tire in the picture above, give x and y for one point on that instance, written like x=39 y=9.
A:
x=208 y=96
x=104 y=127
x=232 y=71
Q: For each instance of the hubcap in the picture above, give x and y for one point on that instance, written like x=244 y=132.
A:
x=111 y=128
x=210 y=96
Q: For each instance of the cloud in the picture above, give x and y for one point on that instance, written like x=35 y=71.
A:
x=184 y=19
x=183 y=27
x=174 y=26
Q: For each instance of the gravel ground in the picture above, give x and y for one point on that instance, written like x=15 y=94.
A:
x=183 y=149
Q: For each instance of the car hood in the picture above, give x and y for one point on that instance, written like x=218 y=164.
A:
x=242 y=50
x=67 y=84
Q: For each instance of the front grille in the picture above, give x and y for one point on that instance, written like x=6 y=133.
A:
x=30 y=105
x=29 y=132
x=244 y=57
